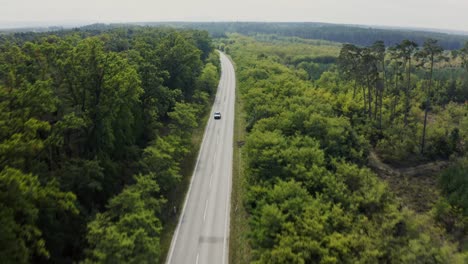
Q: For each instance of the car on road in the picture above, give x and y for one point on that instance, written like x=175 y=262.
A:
x=217 y=115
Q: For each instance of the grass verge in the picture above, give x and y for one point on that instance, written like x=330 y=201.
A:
x=239 y=249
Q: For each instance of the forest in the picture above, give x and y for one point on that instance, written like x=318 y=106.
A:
x=353 y=151
x=96 y=133
x=312 y=115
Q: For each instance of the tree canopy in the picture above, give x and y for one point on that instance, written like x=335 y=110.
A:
x=309 y=195
x=95 y=125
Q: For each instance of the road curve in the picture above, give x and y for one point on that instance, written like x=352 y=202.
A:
x=202 y=234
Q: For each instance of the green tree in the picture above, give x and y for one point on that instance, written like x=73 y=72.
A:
x=371 y=75
x=85 y=110
x=429 y=54
x=406 y=50
x=208 y=80
x=22 y=199
x=397 y=65
x=203 y=42
x=310 y=198
x=349 y=63
x=464 y=56
x=128 y=232
x=181 y=59
x=163 y=157
x=379 y=50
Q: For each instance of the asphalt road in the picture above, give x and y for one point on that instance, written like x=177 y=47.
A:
x=202 y=234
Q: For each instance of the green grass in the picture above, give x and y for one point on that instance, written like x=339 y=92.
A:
x=239 y=249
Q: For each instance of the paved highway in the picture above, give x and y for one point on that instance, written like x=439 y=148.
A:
x=202 y=234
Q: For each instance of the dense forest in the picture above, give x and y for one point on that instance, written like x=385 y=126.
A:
x=96 y=127
x=333 y=143
x=313 y=115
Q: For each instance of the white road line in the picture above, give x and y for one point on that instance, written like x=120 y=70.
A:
x=228 y=207
x=204 y=213
x=219 y=169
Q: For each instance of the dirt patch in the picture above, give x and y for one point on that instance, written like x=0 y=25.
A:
x=415 y=186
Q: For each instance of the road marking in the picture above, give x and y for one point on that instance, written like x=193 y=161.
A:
x=211 y=127
x=228 y=204
x=204 y=213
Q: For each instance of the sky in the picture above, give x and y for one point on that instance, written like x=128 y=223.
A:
x=437 y=14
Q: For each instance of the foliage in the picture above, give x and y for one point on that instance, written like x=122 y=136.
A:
x=400 y=84
x=309 y=197
x=83 y=111
x=23 y=199
x=129 y=230
x=454 y=183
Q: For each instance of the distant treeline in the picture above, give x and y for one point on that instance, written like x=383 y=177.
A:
x=340 y=33
x=357 y=35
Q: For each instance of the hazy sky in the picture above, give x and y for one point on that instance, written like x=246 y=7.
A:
x=445 y=14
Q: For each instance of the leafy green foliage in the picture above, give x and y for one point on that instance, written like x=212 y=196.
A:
x=454 y=184
x=23 y=198
x=395 y=93
x=81 y=113
x=208 y=80
x=182 y=60
x=309 y=197
x=129 y=230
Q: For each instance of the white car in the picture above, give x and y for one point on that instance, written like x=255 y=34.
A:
x=217 y=115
